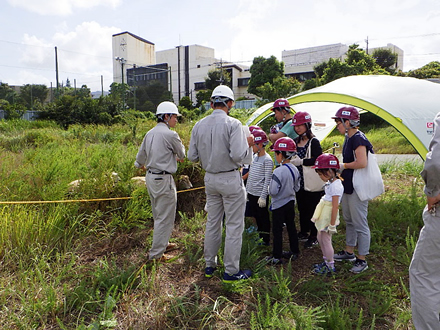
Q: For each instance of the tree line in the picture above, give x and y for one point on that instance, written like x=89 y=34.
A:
x=67 y=105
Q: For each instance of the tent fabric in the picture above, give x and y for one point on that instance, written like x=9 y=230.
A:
x=408 y=104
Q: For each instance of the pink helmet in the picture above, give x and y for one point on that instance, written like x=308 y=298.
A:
x=283 y=104
x=259 y=136
x=349 y=113
x=284 y=144
x=253 y=127
x=326 y=161
x=301 y=117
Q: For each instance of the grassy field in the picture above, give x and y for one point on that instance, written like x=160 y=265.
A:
x=83 y=265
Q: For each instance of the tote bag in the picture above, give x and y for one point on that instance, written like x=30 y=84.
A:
x=368 y=181
x=312 y=181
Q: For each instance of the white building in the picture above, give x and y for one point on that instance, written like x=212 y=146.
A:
x=190 y=65
x=130 y=50
x=299 y=63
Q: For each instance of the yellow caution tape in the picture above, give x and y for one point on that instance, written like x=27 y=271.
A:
x=84 y=200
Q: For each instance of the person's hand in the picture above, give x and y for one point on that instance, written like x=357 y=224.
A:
x=261 y=202
x=432 y=201
x=275 y=129
x=296 y=161
x=332 y=229
x=250 y=140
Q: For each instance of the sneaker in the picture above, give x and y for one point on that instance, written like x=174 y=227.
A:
x=344 y=255
x=241 y=275
x=311 y=242
x=273 y=261
x=290 y=255
x=302 y=237
x=209 y=271
x=324 y=270
x=359 y=266
x=322 y=264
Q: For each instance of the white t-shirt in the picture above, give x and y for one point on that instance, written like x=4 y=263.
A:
x=334 y=188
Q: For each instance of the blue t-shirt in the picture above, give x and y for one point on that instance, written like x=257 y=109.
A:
x=350 y=145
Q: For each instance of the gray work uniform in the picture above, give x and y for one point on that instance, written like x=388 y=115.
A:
x=424 y=271
x=158 y=153
x=219 y=143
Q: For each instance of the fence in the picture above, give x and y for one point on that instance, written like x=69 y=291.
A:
x=28 y=115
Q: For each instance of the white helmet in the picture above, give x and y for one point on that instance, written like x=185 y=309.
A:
x=221 y=94
x=167 y=107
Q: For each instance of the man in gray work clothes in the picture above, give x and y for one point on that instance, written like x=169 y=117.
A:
x=158 y=154
x=221 y=144
x=424 y=271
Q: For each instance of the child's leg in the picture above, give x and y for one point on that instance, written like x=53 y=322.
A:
x=263 y=221
x=326 y=245
x=289 y=220
x=322 y=245
x=277 y=230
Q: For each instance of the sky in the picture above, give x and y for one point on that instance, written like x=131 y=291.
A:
x=238 y=30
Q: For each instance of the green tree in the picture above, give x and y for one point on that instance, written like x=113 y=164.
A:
x=430 y=70
x=31 y=95
x=217 y=76
x=281 y=87
x=203 y=97
x=186 y=103
x=7 y=93
x=386 y=59
x=358 y=62
x=264 y=70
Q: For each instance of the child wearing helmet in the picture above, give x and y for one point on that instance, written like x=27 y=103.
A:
x=256 y=187
x=326 y=215
x=283 y=115
x=245 y=167
x=285 y=182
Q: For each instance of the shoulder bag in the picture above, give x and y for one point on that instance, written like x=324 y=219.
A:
x=368 y=181
x=312 y=181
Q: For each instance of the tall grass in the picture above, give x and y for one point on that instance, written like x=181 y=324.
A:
x=84 y=265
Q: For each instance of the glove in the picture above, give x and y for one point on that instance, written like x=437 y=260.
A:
x=261 y=202
x=296 y=161
x=274 y=129
x=332 y=229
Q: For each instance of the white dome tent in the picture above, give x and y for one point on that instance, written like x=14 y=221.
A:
x=408 y=104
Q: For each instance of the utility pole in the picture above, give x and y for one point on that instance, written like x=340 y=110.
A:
x=56 y=70
x=122 y=61
x=366 y=40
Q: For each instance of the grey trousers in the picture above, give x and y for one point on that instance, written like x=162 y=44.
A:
x=163 y=197
x=424 y=275
x=357 y=233
x=225 y=198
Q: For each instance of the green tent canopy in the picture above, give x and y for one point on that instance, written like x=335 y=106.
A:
x=408 y=104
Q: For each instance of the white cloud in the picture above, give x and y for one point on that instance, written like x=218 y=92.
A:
x=61 y=7
x=84 y=53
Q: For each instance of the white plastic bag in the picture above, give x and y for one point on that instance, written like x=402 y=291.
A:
x=368 y=181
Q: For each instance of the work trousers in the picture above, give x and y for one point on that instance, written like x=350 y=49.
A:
x=163 y=197
x=306 y=202
x=357 y=231
x=225 y=199
x=424 y=275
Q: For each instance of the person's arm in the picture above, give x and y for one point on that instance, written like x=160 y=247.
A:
x=141 y=156
x=360 y=161
x=178 y=147
x=274 y=185
x=431 y=169
x=275 y=136
x=335 y=209
x=193 y=153
x=268 y=167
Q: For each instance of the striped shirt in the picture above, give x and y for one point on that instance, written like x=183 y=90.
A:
x=260 y=173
